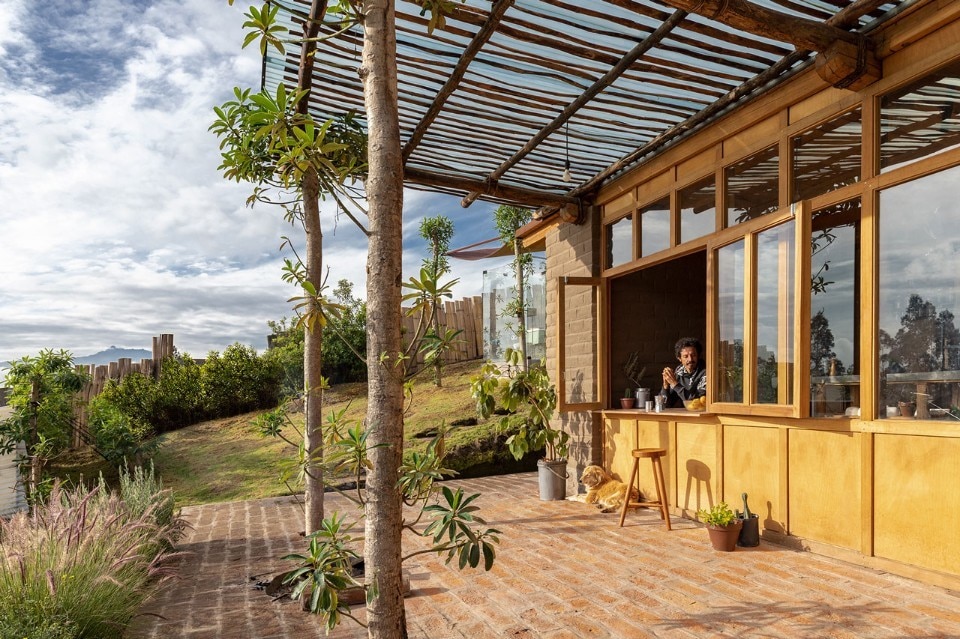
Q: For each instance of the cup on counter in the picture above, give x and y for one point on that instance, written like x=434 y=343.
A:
x=658 y=406
x=648 y=405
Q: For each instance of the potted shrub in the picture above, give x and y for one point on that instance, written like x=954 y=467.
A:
x=628 y=399
x=529 y=396
x=723 y=526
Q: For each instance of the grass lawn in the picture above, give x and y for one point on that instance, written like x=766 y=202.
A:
x=227 y=460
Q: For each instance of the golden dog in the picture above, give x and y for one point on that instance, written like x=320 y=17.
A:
x=603 y=490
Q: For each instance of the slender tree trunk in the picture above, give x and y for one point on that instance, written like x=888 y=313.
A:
x=521 y=305
x=437 y=365
x=313 y=360
x=313 y=340
x=385 y=613
x=36 y=463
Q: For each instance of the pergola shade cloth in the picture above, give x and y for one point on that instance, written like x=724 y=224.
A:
x=509 y=94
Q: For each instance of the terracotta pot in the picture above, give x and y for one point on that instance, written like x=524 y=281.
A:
x=725 y=537
x=907 y=408
x=627 y=402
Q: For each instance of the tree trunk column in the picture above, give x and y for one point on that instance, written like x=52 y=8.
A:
x=313 y=359
x=384 y=187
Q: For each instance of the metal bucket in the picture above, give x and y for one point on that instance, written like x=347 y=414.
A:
x=553 y=479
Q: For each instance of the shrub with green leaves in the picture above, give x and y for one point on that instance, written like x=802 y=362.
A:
x=238 y=381
x=80 y=566
x=185 y=393
x=118 y=436
x=179 y=401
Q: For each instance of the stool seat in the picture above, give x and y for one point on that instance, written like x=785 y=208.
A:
x=654 y=455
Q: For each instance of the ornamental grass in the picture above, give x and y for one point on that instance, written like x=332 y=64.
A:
x=83 y=564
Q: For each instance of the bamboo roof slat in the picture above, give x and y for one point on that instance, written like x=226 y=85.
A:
x=496 y=103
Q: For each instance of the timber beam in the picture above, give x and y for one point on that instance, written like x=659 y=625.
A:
x=524 y=197
x=845 y=60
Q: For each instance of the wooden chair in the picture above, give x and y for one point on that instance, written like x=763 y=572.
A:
x=654 y=455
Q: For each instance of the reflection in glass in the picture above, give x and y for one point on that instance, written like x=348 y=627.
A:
x=753 y=186
x=698 y=207
x=919 y=293
x=775 y=278
x=835 y=309
x=826 y=157
x=730 y=322
x=619 y=242
x=655 y=227
x=921 y=119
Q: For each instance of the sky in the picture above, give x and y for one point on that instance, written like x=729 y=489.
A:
x=115 y=225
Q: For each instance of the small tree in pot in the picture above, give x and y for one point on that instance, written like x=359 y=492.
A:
x=530 y=395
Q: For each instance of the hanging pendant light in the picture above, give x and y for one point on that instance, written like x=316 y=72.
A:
x=566 y=167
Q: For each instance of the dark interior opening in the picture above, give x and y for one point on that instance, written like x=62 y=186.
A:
x=650 y=310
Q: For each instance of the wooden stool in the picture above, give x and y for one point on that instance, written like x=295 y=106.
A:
x=654 y=455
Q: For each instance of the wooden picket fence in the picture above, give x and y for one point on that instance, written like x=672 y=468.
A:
x=101 y=374
x=465 y=315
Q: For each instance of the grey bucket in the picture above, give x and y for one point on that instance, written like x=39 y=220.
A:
x=553 y=479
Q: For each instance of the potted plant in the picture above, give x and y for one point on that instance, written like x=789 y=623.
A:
x=634 y=373
x=723 y=526
x=527 y=396
x=628 y=399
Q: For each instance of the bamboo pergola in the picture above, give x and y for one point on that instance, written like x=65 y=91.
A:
x=510 y=93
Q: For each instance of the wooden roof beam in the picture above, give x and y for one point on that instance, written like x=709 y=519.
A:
x=476 y=45
x=606 y=80
x=845 y=60
x=849 y=15
x=524 y=197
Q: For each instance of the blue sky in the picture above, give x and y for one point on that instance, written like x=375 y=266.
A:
x=115 y=225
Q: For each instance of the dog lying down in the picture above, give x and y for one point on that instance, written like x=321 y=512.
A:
x=603 y=490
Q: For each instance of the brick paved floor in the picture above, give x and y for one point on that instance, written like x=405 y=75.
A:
x=563 y=570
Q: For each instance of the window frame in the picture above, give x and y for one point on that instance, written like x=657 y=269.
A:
x=748 y=232
x=599 y=284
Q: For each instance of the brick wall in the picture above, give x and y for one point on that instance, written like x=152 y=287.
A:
x=574 y=250
x=649 y=311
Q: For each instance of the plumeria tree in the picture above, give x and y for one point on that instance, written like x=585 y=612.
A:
x=271 y=141
x=508 y=220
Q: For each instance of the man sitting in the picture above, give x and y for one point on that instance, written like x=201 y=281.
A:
x=688 y=380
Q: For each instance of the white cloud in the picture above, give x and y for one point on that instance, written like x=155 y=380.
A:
x=115 y=224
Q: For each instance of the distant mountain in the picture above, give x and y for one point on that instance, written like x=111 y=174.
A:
x=114 y=354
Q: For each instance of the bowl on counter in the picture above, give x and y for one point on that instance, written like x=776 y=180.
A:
x=697 y=405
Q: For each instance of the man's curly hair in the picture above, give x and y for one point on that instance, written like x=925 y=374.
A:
x=688 y=342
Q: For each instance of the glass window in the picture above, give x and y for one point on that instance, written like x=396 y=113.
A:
x=835 y=309
x=698 y=207
x=921 y=119
x=655 y=227
x=753 y=186
x=775 y=314
x=730 y=325
x=620 y=242
x=826 y=157
x=919 y=294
